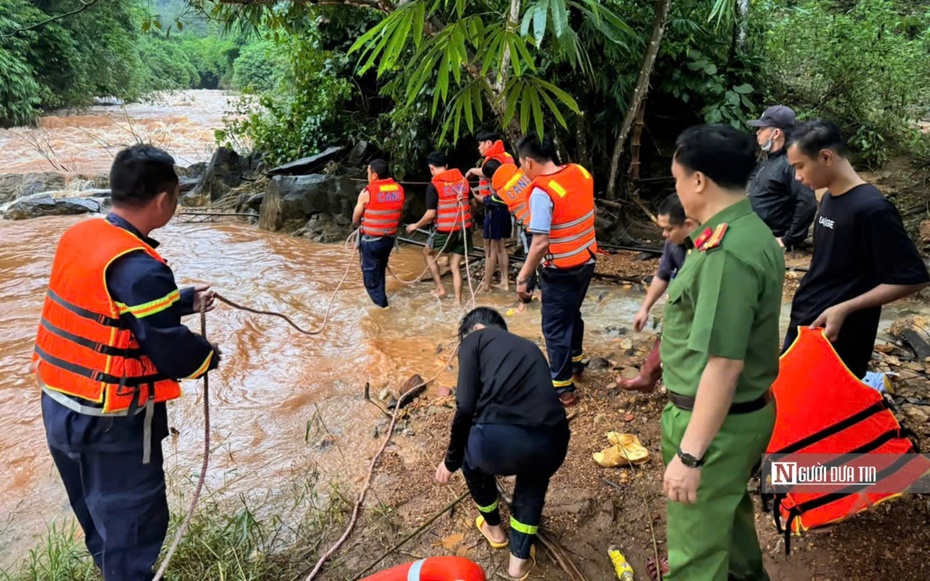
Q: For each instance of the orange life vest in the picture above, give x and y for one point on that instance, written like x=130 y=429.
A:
x=824 y=409
x=443 y=568
x=510 y=184
x=453 y=201
x=82 y=349
x=572 y=240
x=383 y=210
x=497 y=153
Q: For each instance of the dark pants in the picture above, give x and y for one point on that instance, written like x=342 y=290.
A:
x=374 y=258
x=533 y=454
x=563 y=291
x=119 y=502
x=855 y=342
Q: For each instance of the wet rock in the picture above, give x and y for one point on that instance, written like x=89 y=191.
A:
x=616 y=330
x=444 y=391
x=306 y=165
x=357 y=155
x=915 y=333
x=626 y=344
x=416 y=384
x=322 y=228
x=223 y=173
x=8 y=186
x=597 y=362
x=39 y=205
x=250 y=202
x=291 y=200
x=34 y=183
x=194 y=170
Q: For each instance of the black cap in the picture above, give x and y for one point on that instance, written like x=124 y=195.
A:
x=778 y=116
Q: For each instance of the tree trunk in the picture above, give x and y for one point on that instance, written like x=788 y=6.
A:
x=742 y=24
x=633 y=174
x=639 y=93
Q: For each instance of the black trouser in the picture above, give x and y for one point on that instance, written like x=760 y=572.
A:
x=533 y=454
x=563 y=291
x=375 y=253
x=118 y=500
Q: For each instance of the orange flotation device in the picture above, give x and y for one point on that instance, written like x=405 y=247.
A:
x=824 y=409
x=432 y=569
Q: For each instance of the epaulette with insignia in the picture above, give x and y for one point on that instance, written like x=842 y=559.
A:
x=700 y=240
x=714 y=239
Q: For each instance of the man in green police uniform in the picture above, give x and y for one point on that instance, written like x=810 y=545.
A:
x=720 y=357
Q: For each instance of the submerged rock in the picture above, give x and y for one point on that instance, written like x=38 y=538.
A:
x=45 y=205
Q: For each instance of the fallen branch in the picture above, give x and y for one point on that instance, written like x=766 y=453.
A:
x=371 y=471
x=419 y=530
x=372 y=402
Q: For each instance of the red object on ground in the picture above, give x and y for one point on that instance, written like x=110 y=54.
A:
x=432 y=569
x=824 y=409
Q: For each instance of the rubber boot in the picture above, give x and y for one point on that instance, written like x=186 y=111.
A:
x=649 y=374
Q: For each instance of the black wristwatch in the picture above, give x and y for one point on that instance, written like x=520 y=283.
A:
x=689 y=460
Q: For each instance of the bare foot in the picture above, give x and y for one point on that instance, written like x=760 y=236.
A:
x=496 y=534
x=438 y=293
x=484 y=289
x=521 y=307
x=503 y=286
x=519 y=567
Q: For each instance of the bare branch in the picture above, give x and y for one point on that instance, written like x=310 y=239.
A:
x=84 y=6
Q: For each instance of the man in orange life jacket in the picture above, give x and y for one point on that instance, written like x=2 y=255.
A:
x=562 y=224
x=378 y=210
x=497 y=223
x=509 y=186
x=108 y=355
x=447 y=202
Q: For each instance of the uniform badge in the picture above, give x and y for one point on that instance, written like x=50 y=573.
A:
x=710 y=240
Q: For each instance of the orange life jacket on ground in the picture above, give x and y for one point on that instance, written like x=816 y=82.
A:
x=824 y=409
x=453 y=201
x=384 y=207
x=81 y=349
x=497 y=153
x=444 y=568
x=510 y=185
x=572 y=240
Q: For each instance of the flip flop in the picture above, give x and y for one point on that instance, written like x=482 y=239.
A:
x=656 y=572
x=532 y=566
x=494 y=545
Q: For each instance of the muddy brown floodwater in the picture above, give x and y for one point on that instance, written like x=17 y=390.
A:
x=182 y=122
x=272 y=380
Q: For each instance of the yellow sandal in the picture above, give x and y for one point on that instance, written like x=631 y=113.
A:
x=533 y=566
x=494 y=545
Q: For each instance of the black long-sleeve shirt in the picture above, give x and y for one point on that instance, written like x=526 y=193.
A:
x=503 y=379
x=785 y=205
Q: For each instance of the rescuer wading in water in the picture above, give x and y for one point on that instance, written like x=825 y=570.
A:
x=378 y=210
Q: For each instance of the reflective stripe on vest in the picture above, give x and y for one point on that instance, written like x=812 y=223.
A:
x=453 y=207
x=82 y=350
x=383 y=211
x=572 y=239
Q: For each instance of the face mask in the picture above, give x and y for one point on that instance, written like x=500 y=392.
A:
x=769 y=143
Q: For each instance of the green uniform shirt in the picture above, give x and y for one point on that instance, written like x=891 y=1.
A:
x=725 y=302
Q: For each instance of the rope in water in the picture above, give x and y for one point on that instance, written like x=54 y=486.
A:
x=371 y=469
x=206 y=402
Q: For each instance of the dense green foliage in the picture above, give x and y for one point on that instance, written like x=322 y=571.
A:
x=410 y=76
x=441 y=70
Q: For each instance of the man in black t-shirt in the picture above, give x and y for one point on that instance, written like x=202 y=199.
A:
x=863 y=258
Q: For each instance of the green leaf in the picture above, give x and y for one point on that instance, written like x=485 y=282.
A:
x=180 y=25
x=743 y=89
x=711 y=69
x=539 y=20
x=559 y=17
x=525 y=110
